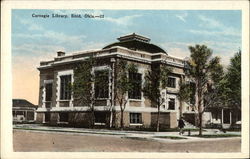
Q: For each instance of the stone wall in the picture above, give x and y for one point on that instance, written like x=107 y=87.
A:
x=39 y=117
x=80 y=119
x=54 y=117
x=166 y=119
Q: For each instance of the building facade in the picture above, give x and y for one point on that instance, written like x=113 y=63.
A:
x=58 y=106
x=23 y=111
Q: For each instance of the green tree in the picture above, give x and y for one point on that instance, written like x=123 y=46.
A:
x=123 y=85
x=233 y=82
x=86 y=81
x=184 y=93
x=155 y=81
x=203 y=69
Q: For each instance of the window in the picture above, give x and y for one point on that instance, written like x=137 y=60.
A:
x=135 y=118
x=30 y=115
x=101 y=84
x=171 y=82
x=48 y=92
x=64 y=117
x=171 y=104
x=65 y=91
x=135 y=79
x=100 y=117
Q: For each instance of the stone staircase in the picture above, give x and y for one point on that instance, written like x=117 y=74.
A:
x=189 y=125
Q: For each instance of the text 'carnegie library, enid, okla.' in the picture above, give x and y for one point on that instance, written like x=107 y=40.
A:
x=34 y=15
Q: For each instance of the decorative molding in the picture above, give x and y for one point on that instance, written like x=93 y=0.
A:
x=62 y=73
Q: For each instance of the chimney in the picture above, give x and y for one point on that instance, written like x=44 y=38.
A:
x=60 y=53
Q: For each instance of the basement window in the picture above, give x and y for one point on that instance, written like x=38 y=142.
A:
x=135 y=118
x=63 y=117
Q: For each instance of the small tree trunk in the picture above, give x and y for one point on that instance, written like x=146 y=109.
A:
x=93 y=118
x=200 y=123
x=158 y=120
x=121 y=123
x=111 y=119
x=200 y=107
x=181 y=103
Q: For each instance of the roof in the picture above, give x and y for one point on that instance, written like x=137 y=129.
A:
x=22 y=103
x=136 y=42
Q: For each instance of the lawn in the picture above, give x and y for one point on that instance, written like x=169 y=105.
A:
x=216 y=135
x=170 y=137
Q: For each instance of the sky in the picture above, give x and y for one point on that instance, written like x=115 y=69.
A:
x=36 y=39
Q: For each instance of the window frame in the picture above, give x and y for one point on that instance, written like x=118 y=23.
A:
x=170 y=101
x=136 y=93
x=103 y=90
x=46 y=92
x=135 y=118
x=66 y=96
x=171 y=83
x=60 y=119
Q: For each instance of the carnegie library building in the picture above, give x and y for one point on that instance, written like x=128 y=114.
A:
x=56 y=100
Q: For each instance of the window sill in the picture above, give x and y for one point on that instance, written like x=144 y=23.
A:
x=100 y=123
x=62 y=122
x=64 y=100
x=136 y=124
x=101 y=98
x=135 y=100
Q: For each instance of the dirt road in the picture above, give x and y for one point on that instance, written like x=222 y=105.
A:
x=67 y=142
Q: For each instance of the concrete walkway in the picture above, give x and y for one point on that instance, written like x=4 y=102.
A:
x=169 y=136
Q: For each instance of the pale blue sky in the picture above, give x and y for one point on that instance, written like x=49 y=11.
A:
x=36 y=39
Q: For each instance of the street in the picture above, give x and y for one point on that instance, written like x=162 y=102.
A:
x=26 y=141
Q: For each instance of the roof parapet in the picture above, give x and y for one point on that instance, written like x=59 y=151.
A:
x=134 y=36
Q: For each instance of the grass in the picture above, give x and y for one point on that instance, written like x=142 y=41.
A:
x=192 y=129
x=69 y=131
x=170 y=137
x=217 y=135
x=135 y=138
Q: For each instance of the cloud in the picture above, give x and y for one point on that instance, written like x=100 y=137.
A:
x=225 y=50
x=182 y=16
x=35 y=27
x=30 y=25
x=209 y=22
x=226 y=32
x=217 y=27
x=125 y=21
x=122 y=21
x=35 y=50
x=70 y=42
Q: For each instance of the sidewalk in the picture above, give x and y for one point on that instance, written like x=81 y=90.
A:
x=159 y=136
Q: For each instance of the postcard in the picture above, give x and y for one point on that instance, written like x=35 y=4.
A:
x=125 y=79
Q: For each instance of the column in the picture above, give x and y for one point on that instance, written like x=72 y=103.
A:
x=26 y=117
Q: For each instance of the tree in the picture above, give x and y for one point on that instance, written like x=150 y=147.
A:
x=184 y=93
x=123 y=85
x=155 y=81
x=233 y=81
x=203 y=69
x=82 y=85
